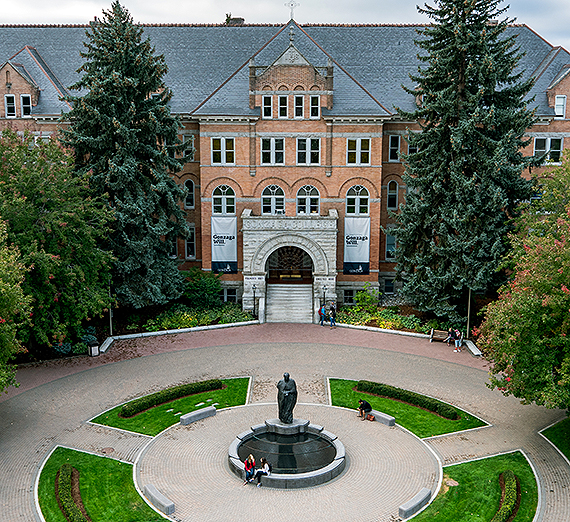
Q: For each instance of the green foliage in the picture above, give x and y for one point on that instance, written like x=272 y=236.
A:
x=510 y=498
x=56 y=226
x=464 y=182
x=182 y=316
x=158 y=418
x=70 y=508
x=14 y=307
x=131 y=408
x=123 y=134
x=107 y=488
x=202 y=289
x=445 y=410
x=559 y=435
x=387 y=318
x=526 y=332
x=367 y=298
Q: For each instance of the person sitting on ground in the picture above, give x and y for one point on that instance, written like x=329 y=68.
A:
x=264 y=470
x=249 y=465
x=364 y=408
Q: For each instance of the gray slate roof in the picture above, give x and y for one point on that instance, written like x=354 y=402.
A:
x=208 y=64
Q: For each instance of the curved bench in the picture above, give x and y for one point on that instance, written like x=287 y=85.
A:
x=194 y=416
x=383 y=418
x=411 y=507
x=158 y=500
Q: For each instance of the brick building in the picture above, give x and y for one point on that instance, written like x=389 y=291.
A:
x=295 y=142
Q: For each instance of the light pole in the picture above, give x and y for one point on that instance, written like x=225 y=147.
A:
x=254 y=289
x=325 y=295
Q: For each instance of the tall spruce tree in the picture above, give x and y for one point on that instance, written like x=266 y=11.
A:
x=123 y=133
x=465 y=179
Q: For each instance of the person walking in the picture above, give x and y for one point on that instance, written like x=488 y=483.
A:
x=323 y=314
x=332 y=315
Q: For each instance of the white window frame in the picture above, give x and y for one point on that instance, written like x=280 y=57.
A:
x=227 y=153
x=272 y=200
x=348 y=296
x=188 y=152
x=275 y=153
x=394 y=148
x=309 y=199
x=267 y=107
x=361 y=199
x=392 y=194
x=315 y=107
x=226 y=198
x=283 y=107
x=560 y=107
x=299 y=109
x=190 y=243
x=26 y=104
x=308 y=151
x=190 y=187
x=226 y=297
x=361 y=154
x=12 y=112
x=548 y=149
x=390 y=247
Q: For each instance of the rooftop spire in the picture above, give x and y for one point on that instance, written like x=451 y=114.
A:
x=291 y=5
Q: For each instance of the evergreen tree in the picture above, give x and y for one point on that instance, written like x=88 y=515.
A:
x=123 y=133
x=465 y=179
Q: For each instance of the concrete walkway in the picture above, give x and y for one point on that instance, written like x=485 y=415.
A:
x=56 y=399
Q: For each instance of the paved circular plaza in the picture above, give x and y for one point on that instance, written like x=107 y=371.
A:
x=56 y=400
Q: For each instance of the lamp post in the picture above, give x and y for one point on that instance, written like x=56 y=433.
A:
x=325 y=295
x=254 y=288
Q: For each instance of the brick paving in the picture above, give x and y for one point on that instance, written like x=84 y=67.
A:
x=56 y=400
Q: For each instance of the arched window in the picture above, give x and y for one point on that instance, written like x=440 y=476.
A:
x=224 y=200
x=308 y=200
x=357 y=200
x=273 y=200
x=189 y=201
x=393 y=195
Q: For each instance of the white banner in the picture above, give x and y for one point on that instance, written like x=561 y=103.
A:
x=356 y=245
x=224 y=244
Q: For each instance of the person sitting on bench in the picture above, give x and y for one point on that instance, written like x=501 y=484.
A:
x=364 y=408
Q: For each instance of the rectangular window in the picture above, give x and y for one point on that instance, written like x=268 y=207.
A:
x=223 y=151
x=552 y=147
x=283 y=113
x=26 y=103
x=174 y=249
x=188 y=141
x=560 y=107
x=191 y=243
x=390 y=247
x=315 y=107
x=267 y=107
x=299 y=106
x=358 y=151
x=412 y=150
x=10 y=105
x=272 y=151
x=348 y=297
x=394 y=153
x=229 y=295
x=308 y=151
x=388 y=286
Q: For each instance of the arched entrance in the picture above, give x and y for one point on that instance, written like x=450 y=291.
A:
x=289 y=264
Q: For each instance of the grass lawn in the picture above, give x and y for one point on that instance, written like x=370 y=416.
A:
x=478 y=495
x=420 y=422
x=559 y=435
x=106 y=486
x=153 y=421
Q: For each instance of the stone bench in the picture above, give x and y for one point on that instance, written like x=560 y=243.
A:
x=437 y=335
x=158 y=500
x=383 y=418
x=472 y=348
x=189 y=418
x=411 y=507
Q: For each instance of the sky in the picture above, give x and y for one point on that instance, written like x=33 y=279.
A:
x=549 y=18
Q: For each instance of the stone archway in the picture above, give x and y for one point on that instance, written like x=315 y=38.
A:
x=289 y=264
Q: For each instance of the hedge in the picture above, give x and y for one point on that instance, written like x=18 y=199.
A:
x=376 y=388
x=130 y=409
x=510 y=498
x=69 y=507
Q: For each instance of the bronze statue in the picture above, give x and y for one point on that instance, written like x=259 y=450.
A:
x=286 y=398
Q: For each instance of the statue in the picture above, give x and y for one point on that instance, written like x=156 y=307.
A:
x=286 y=398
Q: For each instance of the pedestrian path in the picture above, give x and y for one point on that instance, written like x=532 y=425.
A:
x=58 y=399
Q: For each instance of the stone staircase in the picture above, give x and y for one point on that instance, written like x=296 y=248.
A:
x=289 y=304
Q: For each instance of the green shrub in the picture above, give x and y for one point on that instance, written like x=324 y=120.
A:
x=376 y=388
x=130 y=409
x=80 y=349
x=510 y=498
x=202 y=288
x=70 y=508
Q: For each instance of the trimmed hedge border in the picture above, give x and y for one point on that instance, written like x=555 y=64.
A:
x=130 y=409
x=385 y=390
x=509 y=500
x=68 y=505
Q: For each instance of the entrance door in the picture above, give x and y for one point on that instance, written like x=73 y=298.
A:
x=289 y=265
